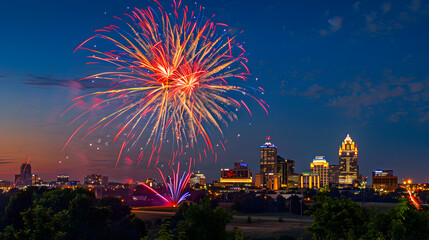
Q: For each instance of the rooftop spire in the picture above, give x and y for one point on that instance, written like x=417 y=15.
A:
x=348 y=138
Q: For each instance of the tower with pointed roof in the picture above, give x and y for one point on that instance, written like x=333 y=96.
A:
x=348 y=167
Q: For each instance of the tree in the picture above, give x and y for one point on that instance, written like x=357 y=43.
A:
x=166 y=233
x=202 y=222
x=402 y=222
x=280 y=203
x=18 y=203
x=69 y=214
x=39 y=223
x=337 y=219
x=296 y=203
x=236 y=234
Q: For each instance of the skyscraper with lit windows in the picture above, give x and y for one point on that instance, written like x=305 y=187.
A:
x=348 y=167
x=269 y=168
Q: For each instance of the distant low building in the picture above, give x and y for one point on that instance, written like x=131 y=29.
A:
x=310 y=180
x=35 y=180
x=239 y=176
x=5 y=185
x=63 y=178
x=95 y=179
x=293 y=180
x=151 y=182
x=383 y=180
x=198 y=179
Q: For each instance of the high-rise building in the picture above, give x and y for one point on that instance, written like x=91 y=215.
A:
x=383 y=180
x=321 y=166
x=349 y=169
x=291 y=178
x=25 y=177
x=290 y=165
x=268 y=163
x=285 y=170
x=282 y=171
x=334 y=174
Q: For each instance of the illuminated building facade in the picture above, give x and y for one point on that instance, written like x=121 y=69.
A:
x=151 y=182
x=268 y=164
x=384 y=181
x=63 y=178
x=198 y=179
x=95 y=179
x=5 y=185
x=310 y=180
x=349 y=169
x=293 y=180
x=239 y=176
x=258 y=180
x=35 y=180
x=321 y=166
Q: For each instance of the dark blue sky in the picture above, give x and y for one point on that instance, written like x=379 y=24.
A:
x=328 y=67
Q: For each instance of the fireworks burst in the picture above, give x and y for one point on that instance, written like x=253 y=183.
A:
x=174 y=186
x=178 y=75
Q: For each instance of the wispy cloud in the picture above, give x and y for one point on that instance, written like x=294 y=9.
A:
x=335 y=24
x=356 y=6
x=401 y=94
x=386 y=7
x=393 y=97
x=52 y=81
x=6 y=160
x=415 y=5
x=391 y=16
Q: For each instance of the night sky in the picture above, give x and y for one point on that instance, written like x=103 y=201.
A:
x=328 y=68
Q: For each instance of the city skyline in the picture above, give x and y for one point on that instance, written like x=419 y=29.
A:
x=328 y=70
x=317 y=161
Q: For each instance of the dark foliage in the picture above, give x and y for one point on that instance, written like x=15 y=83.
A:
x=336 y=219
x=37 y=213
x=199 y=221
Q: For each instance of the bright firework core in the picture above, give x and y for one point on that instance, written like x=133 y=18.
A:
x=177 y=75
